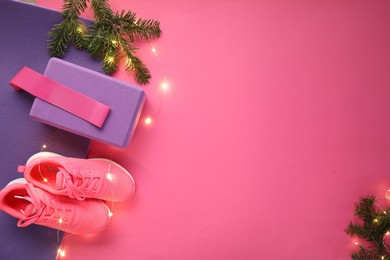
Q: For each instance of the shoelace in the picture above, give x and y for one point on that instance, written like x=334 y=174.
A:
x=45 y=209
x=79 y=185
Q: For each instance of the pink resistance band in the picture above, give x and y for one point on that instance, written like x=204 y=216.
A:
x=61 y=96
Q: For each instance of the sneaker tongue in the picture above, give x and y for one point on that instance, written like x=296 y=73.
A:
x=30 y=210
x=60 y=180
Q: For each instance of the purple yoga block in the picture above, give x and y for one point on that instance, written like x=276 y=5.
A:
x=125 y=101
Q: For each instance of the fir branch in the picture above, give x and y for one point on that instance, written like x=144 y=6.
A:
x=362 y=254
x=73 y=7
x=111 y=62
x=127 y=17
x=70 y=30
x=110 y=38
x=356 y=229
x=141 y=72
x=365 y=208
x=59 y=39
x=79 y=35
x=102 y=11
x=375 y=224
x=134 y=64
x=99 y=40
x=144 y=30
x=137 y=29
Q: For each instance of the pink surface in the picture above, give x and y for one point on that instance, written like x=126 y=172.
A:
x=276 y=123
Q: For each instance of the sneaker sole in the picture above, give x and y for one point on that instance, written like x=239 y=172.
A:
x=42 y=154
x=18 y=180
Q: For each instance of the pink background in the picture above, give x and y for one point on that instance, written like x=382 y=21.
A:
x=275 y=124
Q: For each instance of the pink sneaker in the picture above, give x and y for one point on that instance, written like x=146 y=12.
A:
x=36 y=206
x=79 y=178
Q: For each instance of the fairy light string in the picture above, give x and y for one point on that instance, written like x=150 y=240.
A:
x=163 y=87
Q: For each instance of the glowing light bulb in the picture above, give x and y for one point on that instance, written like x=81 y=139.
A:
x=61 y=252
x=110 y=59
x=45 y=180
x=44 y=146
x=383 y=257
x=375 y=220
x=109 y=176
x=148 y=120
x=164 y=86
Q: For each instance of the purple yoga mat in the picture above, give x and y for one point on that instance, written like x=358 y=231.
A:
x=23 y=42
